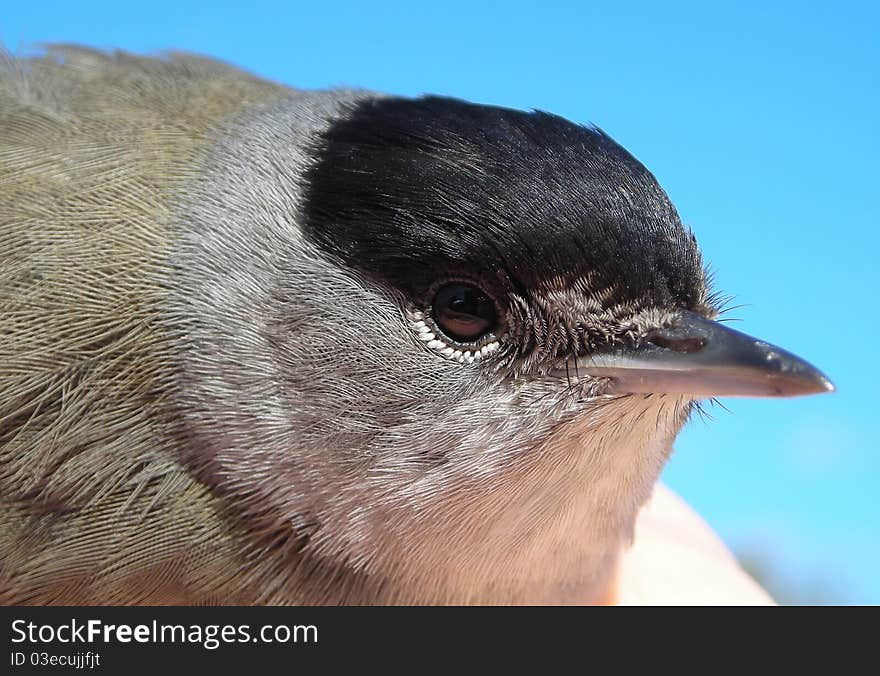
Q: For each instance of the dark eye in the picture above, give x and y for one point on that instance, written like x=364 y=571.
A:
x=463 y=312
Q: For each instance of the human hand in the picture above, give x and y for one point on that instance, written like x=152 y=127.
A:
x=677 y=559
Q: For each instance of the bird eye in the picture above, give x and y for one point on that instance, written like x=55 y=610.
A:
x=463 y=312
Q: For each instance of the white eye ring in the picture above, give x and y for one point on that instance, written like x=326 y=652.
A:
x=438 y=344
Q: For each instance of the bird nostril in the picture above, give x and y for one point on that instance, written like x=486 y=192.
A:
x=677 y=344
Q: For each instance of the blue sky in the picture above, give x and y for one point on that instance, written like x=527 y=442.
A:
x=761 y=123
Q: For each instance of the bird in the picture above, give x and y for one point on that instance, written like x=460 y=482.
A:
x=272 y=346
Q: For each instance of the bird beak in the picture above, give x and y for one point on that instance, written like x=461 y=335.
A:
x=702 y=358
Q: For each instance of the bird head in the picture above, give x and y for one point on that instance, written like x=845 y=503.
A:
x=441 y=337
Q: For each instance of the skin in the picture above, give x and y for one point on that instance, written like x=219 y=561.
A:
x=676 y=559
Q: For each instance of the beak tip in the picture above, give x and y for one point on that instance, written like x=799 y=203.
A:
x=812 y=381
x=827 y=386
